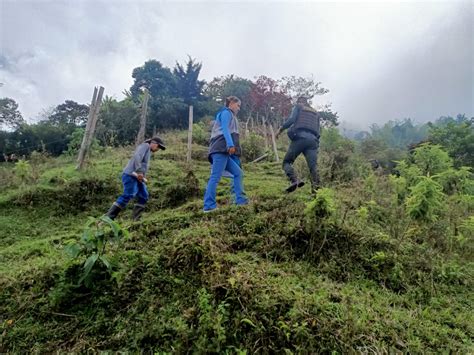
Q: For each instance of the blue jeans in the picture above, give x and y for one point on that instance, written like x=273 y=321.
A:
x=227 y=174
x=132 y=188
x=221 y=162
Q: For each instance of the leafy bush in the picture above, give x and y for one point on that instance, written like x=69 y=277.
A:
x=253 y=146
x=322 y=206
x=334 y=157
x=425 y=202
x=76 y=140
x=456 y=136
x=431 y=159
x=22 y=170
x=97 y=233
x=200 y=134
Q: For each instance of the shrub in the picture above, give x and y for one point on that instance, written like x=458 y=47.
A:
x=97 y=233
x=22 y=170
x=425 y=201
x=200 y=134
x=431 y=159
x=253 y=147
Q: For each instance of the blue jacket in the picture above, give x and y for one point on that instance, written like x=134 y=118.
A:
x=225 y=133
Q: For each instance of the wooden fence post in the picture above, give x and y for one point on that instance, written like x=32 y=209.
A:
x=275 y=150
x=90 y=126
x=141 y=131
x=265 y=135
x=80 y=157
x=190 y=134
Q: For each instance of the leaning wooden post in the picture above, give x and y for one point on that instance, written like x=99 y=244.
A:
x=80 y=157
x=90 y=127
x=190 y=134
x=259 y=158
x=275 y=150
x=141 y=131
x=95 y=119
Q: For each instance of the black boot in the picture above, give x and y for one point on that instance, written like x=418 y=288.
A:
x=137 y=212
x=294 y=184
x=113 y=211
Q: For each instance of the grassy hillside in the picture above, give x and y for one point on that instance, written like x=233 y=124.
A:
x=353 y=268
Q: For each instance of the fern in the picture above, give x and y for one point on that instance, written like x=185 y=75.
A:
x=425 y=201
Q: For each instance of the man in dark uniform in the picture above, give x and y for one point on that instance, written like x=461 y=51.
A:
x=303 y=132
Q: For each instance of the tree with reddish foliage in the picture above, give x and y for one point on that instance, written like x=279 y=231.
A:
x=269 y=99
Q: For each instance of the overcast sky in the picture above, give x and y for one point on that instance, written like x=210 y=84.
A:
x=380 y=61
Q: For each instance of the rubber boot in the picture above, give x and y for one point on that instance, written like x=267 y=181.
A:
x=294 y=184
x=113 y=211
x=137 y=212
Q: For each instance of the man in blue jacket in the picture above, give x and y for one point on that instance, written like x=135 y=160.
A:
x=134 y=179
x=303 y=132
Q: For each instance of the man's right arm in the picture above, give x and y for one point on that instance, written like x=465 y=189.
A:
x=138 y=158
x=289 y=121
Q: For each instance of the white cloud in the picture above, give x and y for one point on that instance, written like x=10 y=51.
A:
x=381 y=61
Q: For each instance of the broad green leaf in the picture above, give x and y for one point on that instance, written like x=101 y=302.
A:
x=248 y=321
x=88 y=265
x=106 y=262
x=73 y=250
x=116 y=229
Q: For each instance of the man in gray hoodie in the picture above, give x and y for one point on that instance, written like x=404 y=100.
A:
x=134 y=179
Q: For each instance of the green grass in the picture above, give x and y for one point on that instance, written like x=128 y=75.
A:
x=258 y=278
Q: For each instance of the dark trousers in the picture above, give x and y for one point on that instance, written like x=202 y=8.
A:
x=309 y=148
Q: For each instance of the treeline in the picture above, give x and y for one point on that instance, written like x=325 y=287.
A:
x=171 y=92
x=389 y=143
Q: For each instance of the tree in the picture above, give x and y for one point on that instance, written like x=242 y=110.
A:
x=221 y=87
x=167 y=108
x=10 y=116
x=69 y=114
x=158 y=79
x=431 y=159
x=400 y=134
x=168 y=112
x=456 y=136
x=118 y=122
x=300 y=86
x=328 y=117
x=269 y=99
x=425 y=202
x=43 y=135
x=188 y=86
x=295 y=87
